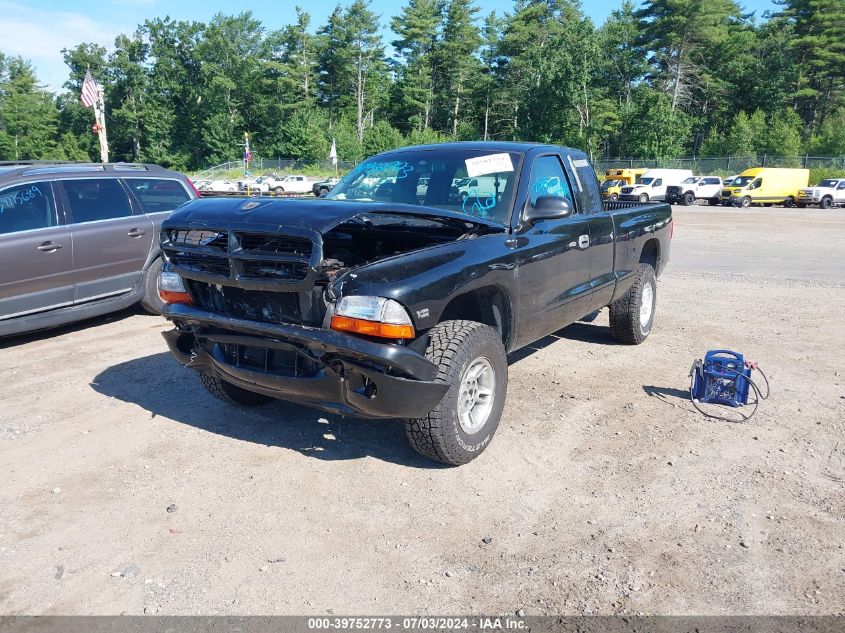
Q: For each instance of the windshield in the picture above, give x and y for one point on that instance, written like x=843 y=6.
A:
x=607 y=184
x=645 y=181
x=690 y=181
x=741 y=181
x=475 y=182
x=828 y=184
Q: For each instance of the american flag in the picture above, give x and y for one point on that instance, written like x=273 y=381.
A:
x=89 y=90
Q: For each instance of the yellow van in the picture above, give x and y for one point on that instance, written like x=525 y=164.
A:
x=766 y=185
x=615 y=179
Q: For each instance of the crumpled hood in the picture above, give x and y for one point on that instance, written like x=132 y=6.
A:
x=318 y=215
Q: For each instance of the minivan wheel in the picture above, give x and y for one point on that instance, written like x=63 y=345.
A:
x=643 y=197
x=470 y=358
x=151 y=302
x=746 y=202
x=632 y=314
x=227 y=392
x=826 y=202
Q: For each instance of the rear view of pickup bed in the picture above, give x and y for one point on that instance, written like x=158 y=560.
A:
x=400 y=293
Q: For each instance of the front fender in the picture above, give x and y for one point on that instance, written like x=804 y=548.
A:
x=426 y=281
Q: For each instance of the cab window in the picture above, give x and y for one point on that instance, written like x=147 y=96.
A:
x=841 y=185
x=549 y=179
x=658 y=182
x=27 y=207
x=94 y=199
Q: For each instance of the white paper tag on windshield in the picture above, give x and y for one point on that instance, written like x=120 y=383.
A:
x=490 y=164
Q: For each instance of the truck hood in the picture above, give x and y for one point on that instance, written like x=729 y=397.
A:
x=315 y=215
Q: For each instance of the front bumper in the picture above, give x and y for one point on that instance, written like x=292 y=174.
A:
x=353 y=376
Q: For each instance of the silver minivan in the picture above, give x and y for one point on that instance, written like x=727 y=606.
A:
x=81 y=240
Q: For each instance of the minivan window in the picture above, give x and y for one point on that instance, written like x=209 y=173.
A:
x=27 y=207
x=157 y=195
x=93 y=199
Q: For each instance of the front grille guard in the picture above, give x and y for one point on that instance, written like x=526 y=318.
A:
x=236 y=256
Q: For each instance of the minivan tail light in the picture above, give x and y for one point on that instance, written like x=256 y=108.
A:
x=194 y=188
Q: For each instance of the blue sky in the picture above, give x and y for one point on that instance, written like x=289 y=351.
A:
x=39 y=29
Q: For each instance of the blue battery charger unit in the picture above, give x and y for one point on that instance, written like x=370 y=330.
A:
x=724 y=377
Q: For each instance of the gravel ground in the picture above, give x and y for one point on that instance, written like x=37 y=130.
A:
x=127 y=489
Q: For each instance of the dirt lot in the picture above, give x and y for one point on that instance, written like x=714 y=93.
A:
x=127 y=489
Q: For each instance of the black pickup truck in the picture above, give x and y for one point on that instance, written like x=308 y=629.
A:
x=400 y=294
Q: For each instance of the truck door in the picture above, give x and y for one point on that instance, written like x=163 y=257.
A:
x=553 y=264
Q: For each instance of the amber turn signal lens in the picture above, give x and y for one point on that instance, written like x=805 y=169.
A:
x=168 y=296
x=372 y=328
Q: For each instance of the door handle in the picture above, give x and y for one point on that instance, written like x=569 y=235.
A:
x=48 y=247
x=136 y=233
x=583 y=242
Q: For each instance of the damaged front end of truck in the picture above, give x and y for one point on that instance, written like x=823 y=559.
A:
x=255 y=290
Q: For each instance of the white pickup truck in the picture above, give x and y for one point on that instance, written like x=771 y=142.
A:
x=695 y=188
x=828 y=193
x=652 y=185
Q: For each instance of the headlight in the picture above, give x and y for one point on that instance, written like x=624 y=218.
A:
x=172 y=289
x=373 y=316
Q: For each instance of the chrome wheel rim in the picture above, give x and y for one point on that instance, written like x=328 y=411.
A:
x=475 y=395
x=647 y=305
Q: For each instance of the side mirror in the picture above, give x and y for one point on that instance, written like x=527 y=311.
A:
x=548 y=208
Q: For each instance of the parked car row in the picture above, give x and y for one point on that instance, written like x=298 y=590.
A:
x=81 y=240
x=760 y=185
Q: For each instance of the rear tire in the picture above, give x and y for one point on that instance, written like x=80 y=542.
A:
x=227 y=392
x=458 y=429
x=151 y=302
x=632 y=314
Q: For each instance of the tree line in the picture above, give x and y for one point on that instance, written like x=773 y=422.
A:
x=671 y=78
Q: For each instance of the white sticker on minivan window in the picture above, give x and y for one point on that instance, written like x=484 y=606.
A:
x=490 y=164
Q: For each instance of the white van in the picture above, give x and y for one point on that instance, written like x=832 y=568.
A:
x=652 y=185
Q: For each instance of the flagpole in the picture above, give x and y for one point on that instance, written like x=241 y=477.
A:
x=100 y=117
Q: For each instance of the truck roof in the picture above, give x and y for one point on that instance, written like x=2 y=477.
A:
x=489 y=146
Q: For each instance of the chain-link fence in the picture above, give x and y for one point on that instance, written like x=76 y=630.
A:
x=269 y=165
x=732 y=164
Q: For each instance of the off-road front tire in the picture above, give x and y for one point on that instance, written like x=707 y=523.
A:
x=632 y=314
x=689 y=199
x=826 y=202
x=227 y=392
x=151 y=302
x=448 y=434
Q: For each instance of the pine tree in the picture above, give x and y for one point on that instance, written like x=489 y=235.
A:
x=28 y=115
x=418 y=28
x=456 y=61
x=819 y=48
